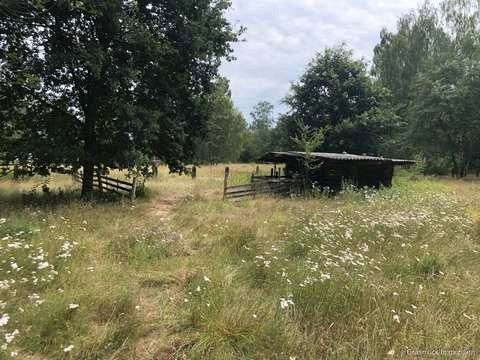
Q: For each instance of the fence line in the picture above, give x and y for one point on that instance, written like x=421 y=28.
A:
x=107 y=184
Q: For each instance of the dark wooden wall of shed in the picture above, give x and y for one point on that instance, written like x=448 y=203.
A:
x=334 y=174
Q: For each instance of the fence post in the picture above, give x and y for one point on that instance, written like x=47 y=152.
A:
x=16 y=172
x=194 y=172
x=99 y=177
x=225 y=182
x=134 y=189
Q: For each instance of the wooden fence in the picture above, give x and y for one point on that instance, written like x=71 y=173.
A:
x=6 y=168
x=107 y=184
x=260 y=185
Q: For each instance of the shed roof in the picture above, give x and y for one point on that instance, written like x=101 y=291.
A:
x=282 y=156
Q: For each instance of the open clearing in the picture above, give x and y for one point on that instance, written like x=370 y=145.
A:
x=182 y=274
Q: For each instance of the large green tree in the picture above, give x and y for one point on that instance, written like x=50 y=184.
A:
x=429 y=65
x=259 y=134
x=107 y=83
x=226 y=128
x=446 y=122
x=402 y=55
x=337 y=94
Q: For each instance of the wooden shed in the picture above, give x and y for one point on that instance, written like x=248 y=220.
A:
x=333 y=170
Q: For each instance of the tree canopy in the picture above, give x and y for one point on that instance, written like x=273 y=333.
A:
x=430 y=66
x=107 y=83
x=258 y=138
x=337 y=94
x=225 y=132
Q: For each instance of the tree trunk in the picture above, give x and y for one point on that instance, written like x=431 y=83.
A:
x=455 y=170
x=87 y=180
x=89 y=148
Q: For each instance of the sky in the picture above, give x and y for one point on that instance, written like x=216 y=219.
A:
x=284 y=35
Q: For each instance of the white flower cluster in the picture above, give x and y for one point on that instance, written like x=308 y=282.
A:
x=25 y=269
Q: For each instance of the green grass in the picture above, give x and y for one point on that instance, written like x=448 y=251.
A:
x=181 y=274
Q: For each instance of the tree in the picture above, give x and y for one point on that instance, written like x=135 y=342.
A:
x=446 y=109
x=429 y=65
x=107 y=83
x=226 y=128
x=259 y=135
x=336 y=94
x=401 y=56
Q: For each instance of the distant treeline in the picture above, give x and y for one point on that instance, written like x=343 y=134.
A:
x=419 y=98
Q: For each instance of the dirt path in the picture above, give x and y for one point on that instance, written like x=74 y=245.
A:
x=158 y=340
x=162 y=207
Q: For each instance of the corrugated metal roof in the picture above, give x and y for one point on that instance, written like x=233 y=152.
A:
x=281 y=156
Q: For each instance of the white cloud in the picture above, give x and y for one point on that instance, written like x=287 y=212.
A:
x=284 y=35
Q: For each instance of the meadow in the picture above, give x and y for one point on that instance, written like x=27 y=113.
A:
x=181 y=274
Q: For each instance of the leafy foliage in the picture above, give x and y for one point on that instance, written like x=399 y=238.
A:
x=336 y=94
x=259 y=136
x=430 y=66
x=108 y=83
x=225 y=128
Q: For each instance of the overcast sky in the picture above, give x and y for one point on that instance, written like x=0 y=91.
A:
x=283 y=36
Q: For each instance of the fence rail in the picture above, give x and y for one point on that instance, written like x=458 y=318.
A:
x=5 y=168
x=260 y=185
x=107 y=184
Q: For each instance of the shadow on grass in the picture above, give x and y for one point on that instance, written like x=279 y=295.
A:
x=50 y=199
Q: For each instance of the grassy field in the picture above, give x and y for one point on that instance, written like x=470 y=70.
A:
x=182 y=274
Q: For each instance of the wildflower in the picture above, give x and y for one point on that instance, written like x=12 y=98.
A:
x=409 y=312
x=206 y=279
x=14 y=266
x=137 y=307
x=396 y=318
x=11 y=336
x=396 y=294
x=68 y=349
x=43 y=265
x=73 y=306
x=391 y=352
x=285 y=303
x=254 y=316
x=469 y=317
x=3 y=221
x=13 y=354
x=325 y=277
x=4 y=320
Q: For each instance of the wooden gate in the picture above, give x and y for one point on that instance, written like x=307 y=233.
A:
x=258 y=186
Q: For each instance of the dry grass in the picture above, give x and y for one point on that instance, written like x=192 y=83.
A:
x=181 y=274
